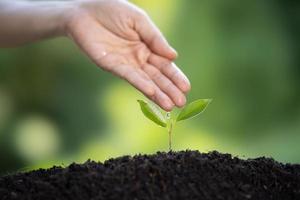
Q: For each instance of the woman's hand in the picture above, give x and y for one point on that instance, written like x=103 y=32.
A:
x=120 y=38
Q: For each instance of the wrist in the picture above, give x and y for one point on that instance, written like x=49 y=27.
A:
x=65 y=16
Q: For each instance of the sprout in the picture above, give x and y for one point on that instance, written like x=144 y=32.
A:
x=168 y=120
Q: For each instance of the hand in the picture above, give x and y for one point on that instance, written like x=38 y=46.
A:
x=120 y=38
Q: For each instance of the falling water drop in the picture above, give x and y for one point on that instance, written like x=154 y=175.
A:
x=168 y=115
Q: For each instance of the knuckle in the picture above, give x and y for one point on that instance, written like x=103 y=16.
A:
x=167 y=86
x=156 y=74
x=173 y=74
x=165 y=64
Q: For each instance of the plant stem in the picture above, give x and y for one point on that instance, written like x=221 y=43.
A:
x=170 y=137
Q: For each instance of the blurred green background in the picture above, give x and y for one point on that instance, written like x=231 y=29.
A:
x=56 y=107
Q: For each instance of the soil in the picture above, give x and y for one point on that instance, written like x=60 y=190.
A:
x=184 y=175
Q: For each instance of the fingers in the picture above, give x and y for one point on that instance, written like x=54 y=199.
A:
x=161 y=99
x=171 y=71
x=153 y=38
x=165 y=85
x=141 y=81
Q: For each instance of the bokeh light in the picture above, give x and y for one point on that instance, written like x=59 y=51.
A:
x=36 y=138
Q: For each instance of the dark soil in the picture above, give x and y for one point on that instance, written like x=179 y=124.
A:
x=184 y=175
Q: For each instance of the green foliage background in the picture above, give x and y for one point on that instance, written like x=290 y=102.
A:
x=57 y=107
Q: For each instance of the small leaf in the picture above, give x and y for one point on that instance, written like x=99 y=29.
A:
x=193 y=109
x=153 y=113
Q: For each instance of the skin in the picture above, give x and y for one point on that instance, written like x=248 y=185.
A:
x=116 y=35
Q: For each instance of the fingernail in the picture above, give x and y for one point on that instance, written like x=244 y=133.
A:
x=187 y=83
x=174 y=51
x=185 y=79
x=169 y=105
x=181 y=101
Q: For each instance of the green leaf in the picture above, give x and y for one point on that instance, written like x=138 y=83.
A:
x=153 y=113
x=193 y=109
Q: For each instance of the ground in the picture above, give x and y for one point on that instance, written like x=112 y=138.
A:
x=184 y=175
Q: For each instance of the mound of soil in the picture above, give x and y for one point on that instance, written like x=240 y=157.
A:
x=184 y=175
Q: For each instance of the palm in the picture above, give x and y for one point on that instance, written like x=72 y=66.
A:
x=107 y=48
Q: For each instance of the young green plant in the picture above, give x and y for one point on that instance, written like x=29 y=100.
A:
x=169 y=119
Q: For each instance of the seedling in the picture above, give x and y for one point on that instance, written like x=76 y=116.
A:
x=169 y=119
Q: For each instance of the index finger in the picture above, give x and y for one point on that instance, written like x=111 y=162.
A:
x=152 y=36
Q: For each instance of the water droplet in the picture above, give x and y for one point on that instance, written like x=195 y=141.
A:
x=104 y=53
x=168 y=115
